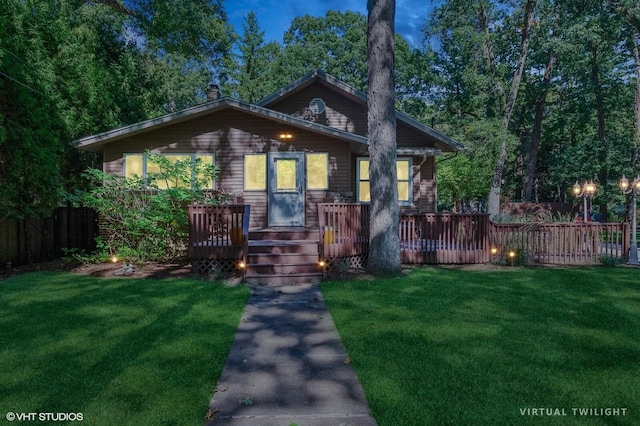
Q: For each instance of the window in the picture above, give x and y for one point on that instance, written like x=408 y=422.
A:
x=403 y=169
x=286 y=174
x=255 y=172
x=138 y=165
x=317 y=171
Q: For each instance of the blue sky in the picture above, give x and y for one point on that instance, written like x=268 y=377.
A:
x=275 y=16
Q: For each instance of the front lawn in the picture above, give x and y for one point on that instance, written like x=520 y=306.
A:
x=119 y=351
x=453 y=346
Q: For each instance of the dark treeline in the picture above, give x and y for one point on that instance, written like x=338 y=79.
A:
x=542 y=92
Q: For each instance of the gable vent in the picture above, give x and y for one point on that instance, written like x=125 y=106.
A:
x=317 y=106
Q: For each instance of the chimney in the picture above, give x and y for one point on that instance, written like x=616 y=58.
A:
x=213 y=93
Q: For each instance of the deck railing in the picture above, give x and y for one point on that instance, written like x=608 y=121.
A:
x=562 y=243
x=344 y=229
x=444 y=238
x=471 y=238
x=218 y=232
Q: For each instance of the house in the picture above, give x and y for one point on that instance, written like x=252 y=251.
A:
x=302 y=145
x=283 y=157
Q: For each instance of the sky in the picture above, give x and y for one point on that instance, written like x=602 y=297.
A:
x=275 y=16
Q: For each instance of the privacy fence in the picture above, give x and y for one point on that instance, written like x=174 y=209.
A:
x=28 y=241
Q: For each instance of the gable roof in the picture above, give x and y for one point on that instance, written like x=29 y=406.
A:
x=261 y=109
x=359 y=97
x=95 y=142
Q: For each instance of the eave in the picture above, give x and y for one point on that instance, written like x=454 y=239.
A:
x=95 y=142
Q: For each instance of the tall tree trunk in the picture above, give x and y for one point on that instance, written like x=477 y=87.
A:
x=493 y=206
x=384 y=242
x=536 y=131
x=603 y=172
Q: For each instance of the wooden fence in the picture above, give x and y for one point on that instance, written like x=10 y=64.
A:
x=471 y=238
x=560 y=243
x=444 y=238
x=218 y=235
x=29 y=241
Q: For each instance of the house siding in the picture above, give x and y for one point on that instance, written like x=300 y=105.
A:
x=229 y=135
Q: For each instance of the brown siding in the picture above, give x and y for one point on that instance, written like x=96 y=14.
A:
x=229 y=135
x=342 y=113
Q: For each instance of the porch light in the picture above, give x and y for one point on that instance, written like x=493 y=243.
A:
x=587 y=190
x=494 y=250
x=322 y=264
x=286 y=136
x=241 y=265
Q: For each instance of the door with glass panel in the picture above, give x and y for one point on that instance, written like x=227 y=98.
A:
x=286 y=188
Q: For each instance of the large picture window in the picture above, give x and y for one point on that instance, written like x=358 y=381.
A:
x=403 y=169
x=255 y=172
x=137 y=165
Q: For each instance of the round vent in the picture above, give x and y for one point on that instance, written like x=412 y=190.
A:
x=317 y=106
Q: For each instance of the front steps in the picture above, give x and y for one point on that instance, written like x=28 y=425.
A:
x=283 y=256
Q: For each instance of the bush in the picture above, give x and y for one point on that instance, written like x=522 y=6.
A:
x=142 y=222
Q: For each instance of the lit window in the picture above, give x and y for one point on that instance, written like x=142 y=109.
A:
x=138 y=165
x=364 y=193
x=317 y=171
x=255 y=172
x=285 y=174
x=403 y=169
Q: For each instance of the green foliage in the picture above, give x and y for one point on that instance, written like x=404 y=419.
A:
x=72 y=68
x=465 y=177
x=142 y=222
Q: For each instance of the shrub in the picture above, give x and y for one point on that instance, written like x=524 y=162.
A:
x=140 y=221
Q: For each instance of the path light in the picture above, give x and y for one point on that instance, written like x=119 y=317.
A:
x=114 y=259
x=587 y=190
x=632 y=188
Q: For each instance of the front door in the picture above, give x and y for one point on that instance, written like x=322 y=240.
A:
x=286 y=189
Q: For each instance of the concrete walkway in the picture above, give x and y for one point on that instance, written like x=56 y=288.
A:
x=287 y=366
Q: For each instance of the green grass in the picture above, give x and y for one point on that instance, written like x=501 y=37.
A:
x=448 y=346
x=119 y=351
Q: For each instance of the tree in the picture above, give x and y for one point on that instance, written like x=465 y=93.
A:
x=255 y=71
x=493 y=205
x=384 y=242
x=72 y=68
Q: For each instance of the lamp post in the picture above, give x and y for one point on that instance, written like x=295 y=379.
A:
x=632 y=188
x=586 y=191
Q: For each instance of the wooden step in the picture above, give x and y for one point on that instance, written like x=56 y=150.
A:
x=283 y=256
x=284 y=279
x=285 y=234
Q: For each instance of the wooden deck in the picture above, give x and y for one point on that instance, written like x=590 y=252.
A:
x=220 y=238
